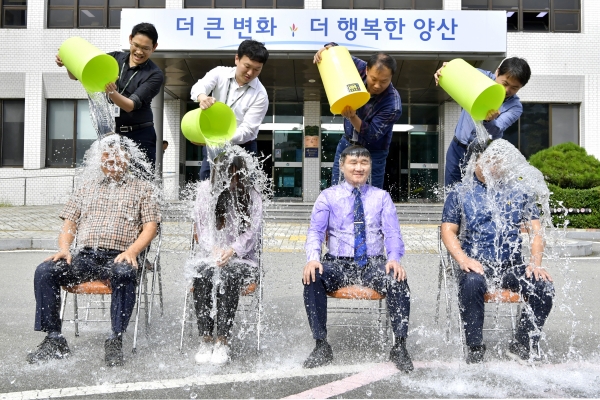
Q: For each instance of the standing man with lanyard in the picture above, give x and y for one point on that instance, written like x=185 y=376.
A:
x=240 y=89
x=138 y=82
x=512 y=73
x=371 y=125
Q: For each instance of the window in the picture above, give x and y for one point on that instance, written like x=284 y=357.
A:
x=93 y=13
x=69 y=132
x=244 y=4
x=12 y=132
x=14 y=14
x=543 y=125
x=386 y=4
x=534 y=15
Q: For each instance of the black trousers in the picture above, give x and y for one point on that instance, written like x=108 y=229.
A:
x=87 y=265
x=224 y=287
x=538 y=295
x=338 y=273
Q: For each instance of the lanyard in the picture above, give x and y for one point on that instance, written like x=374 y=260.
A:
x=127 y=84
x=239 y=97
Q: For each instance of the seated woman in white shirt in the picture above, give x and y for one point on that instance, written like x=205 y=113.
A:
x=228 y=218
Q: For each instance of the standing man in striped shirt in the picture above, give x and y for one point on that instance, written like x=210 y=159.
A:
x=371 y=125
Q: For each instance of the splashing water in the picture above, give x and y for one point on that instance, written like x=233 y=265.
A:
x=227 y=208
x=115 y=157
x=100 y=114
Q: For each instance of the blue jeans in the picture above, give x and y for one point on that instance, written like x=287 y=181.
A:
x=538 y=294
x=251 y=147
x=340 y=273
x=87 y=265
x=378 y=160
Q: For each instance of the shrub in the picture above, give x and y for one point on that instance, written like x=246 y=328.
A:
x=576 y=198
x=568 y=165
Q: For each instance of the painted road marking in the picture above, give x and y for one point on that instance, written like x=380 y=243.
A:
x=201 y=380
x=362 y=374
x=349 y=383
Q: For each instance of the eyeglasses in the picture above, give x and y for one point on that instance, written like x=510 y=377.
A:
x=145 y=49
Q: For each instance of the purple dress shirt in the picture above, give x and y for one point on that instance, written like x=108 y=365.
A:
x=333 y=213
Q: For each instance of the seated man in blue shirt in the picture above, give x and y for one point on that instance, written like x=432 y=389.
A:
x=513 y=73
x=480 y=228
x=365 y=247
x=371 y=125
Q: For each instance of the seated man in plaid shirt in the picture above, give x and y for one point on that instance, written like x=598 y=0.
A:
x=114 y=217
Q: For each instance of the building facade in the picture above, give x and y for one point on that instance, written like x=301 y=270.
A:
x=44 y=116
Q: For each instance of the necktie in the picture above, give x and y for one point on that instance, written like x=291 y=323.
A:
x=360 y=234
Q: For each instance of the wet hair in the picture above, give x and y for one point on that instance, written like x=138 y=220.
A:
x=382 y=59
x=112 y=140
x=146 y=29
x=228 y=167
x=256 y=51
x=517 y=68
x=354 y=150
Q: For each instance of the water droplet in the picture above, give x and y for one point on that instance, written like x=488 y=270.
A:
x=369 y=393
x=193 y=395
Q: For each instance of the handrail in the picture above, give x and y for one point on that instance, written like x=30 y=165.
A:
x=25 y=178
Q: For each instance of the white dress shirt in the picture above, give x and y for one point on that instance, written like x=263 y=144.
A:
x=249 y=102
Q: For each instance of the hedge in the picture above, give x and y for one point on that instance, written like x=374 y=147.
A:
x=568 y=166
x=576 y=198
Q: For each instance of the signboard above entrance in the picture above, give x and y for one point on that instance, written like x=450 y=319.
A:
x=406 y=31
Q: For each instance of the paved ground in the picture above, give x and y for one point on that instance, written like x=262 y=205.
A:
x=158 y=370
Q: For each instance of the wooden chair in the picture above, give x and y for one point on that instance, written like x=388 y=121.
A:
x=250 y=308
x=349 y=302
x=149 y=263
x=500 y=304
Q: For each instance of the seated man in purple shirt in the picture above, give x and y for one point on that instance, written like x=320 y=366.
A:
x=365 y=247
x=512 y=73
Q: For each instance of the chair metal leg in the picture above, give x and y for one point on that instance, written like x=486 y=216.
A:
x=63 y=306
x=76 y=314
x=139 y=304
x=183 y=319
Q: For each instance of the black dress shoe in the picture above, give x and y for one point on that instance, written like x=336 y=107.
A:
x=50 y=348
x=321 y=355
x=400 y=357
x=113 y=352
x=475 y=354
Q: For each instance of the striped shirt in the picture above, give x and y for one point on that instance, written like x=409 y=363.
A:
x=110 y=214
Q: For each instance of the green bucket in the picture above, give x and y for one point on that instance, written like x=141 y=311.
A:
x=213 y=126
x=92 y=67
x=471 y=89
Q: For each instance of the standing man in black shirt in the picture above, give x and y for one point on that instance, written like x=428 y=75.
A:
x=138 y=82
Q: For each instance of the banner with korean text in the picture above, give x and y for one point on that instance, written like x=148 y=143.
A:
x=406 y=31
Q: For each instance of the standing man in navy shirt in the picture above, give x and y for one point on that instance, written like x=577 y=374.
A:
x=371 y=125
x=512 y=73
x=138 y=83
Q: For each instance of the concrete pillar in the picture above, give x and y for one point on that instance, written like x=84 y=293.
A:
x=34 y=156
x=311 y=171
x=158 y=105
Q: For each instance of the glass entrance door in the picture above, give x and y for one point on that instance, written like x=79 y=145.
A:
x=287 y=160
x=423 y=176
x=329 y=142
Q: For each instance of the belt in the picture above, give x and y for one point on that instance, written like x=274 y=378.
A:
x=131 y=128
x=350 y=140
x=458 y=142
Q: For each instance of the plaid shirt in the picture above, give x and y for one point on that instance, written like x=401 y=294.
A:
x=110 y=214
